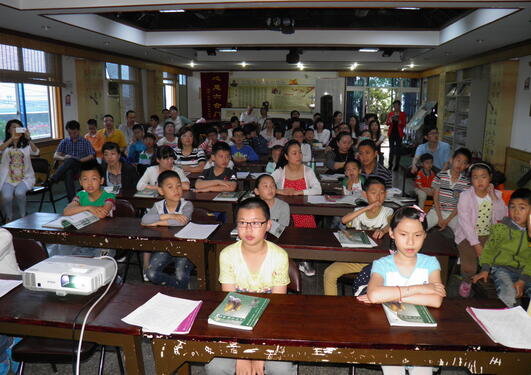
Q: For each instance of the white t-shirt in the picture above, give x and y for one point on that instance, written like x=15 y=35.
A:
x=362 y=222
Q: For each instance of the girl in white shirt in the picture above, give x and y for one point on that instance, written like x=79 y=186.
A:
x=321 y=134
x=165 y=160
x=16 y=172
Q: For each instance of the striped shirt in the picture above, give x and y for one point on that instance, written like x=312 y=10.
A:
x=382 y=172
x=196 y=156
x=448 y=191
x=78 y=149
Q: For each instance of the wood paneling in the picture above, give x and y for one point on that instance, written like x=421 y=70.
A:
x=91 y=93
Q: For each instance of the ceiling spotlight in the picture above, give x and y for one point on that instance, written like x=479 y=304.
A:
x=192 y=64
x=411 y=65
x=172 y=11
x=370 y=50
x=243 y=64
x=293 y=56
x=354 y=66
x=211 y=51
x=227 y=50
x=300 y=65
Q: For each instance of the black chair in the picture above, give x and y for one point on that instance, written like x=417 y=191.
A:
x=44 y=350
x=42 y=167
x=124 y=208
x=295 y=285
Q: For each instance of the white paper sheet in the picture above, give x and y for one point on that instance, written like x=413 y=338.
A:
x=321 y=199
x=242 y=175
x=161 y=314
x=509 y=327
x=195 y=231
x=8 y=285
x=331 y=177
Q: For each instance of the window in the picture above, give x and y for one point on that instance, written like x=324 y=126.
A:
x=182 y=79
x=32 y=104
x=24 y=65
x=168 y=89
x=119 y=72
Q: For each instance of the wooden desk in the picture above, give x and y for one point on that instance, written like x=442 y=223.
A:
x=43 y=314
x=115 y=233
x=199 y=200
x=298 y=204
x=321 y=244
x=251 y=166
x=340 y=330
x=193 y=177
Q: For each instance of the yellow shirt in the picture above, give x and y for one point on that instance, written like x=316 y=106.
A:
x=273 y=272
x=116 y=136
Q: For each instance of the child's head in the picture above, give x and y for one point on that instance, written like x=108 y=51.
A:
x=235 y=122
x=319 y=124
x=221 y=154
x=166 y=157
x=238 y=136
x=278 y=132
x=154 y=121
x=252 y=219
x=268 y=124
x=374 y=190
x=250 y=131
x=91 y=176
x=92 y=126
x=294 y=114
x=309 y=135
x=408 y=229
x=138 y=132
x=223 y=134
x=298 y=135
x=460 y=159
x=149 y=140
x=365 y=134
x=520 y=206
x=265 y=188
x=480 y=176
x=352 y=168
x=367 y=152
x=426 y=160
x=169 y=186
x=212 y=135
x=111 y=153
x=276 y=151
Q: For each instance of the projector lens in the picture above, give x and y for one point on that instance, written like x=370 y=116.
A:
x=68 y=281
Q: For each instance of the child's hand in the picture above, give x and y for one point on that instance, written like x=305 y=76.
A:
x=377 y=234
x=482 y=275
x=243 y=367
x=492 y=193
x=373 y=205
x=478 y=249
x=363 y=298
x=433 y=288
x=519 y=286
x=443 y=223
x=99 y=211
x=181 y=219
x=413 y=170
x=257 y=367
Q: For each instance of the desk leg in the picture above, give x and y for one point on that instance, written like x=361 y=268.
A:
x=213 y=267
x=134 y=362
x=200 y=265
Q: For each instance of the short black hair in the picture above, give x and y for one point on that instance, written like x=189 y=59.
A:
x=165 y=175
x=368 y=142
x=397 y=101
x=165 y=152
x=309 y=129
x=248 y=129
x=91 y=165
x=150 y=135
x=154 y=117
x=463 y=151
x=234 y=118
x=297 y=130
x=212 y=130
x=110 y=146
x=138 y=126
x=408 y=212
x=294 y=112
x=92 y=121
x=239 y=129
x=279 y=129
x=426 y=156
x=109 y=116
x=223 y=130
x=254 y=203
x=355 y=161
x=521 y=193
x=72 y=125
x=173 y=108
x=220 y=146
x=373 y=180
x=428 y=129
x=277 y=147
x=128 y=112
x=166 y=124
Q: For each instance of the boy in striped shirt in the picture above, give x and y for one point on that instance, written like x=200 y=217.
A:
x=447 y=186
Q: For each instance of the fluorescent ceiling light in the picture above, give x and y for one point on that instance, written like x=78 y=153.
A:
x=368 y=50
x=408 y=8
x=172 y=11
x=227 y=49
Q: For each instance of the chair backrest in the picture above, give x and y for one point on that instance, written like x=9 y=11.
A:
x=28 y=252
x=294 y=276
x=203 y=216
x=41 y=165
x=124 y=208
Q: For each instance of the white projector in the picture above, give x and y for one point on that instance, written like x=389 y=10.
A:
x=69 y=275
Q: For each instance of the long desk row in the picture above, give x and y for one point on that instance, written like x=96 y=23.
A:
x=127 y=233
x=292 y=328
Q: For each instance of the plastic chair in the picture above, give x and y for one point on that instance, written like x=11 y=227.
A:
x=44 y=350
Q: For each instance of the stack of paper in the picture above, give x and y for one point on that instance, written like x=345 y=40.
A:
x=165 y=315
x=193 y=231
x=509 y=327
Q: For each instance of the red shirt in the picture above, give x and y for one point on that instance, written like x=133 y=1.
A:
x=424 y=181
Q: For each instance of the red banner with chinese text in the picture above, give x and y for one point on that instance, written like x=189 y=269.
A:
x=214 y=92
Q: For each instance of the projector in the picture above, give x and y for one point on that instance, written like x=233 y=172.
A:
x=69 y=275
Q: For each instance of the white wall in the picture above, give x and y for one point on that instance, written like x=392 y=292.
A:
x=521 y=133
x=194 y=83
x=69 y=79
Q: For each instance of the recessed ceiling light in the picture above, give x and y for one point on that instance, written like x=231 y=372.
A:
x=354 y=66
x=479 y=41
x=243 y=64
x=45 y=27
x=106 y=44
x=412 y=65
x=192 y=64
x=227 y=49
x=172 y=11
x=300 y=65
x=368 y=50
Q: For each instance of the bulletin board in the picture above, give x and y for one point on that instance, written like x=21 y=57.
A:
x=516 y=165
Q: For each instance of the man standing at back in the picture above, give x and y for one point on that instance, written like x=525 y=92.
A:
x=110 y=134
x=127 y=128
x=396 y=122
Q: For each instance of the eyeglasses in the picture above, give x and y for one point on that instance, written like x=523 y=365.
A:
x=252 y=224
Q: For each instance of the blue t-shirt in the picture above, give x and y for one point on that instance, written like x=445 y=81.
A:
x=134 y=151
x=386 y=268
x=440 y=156
x=245 y=150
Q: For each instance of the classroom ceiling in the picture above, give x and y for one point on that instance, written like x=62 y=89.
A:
x=325 y=35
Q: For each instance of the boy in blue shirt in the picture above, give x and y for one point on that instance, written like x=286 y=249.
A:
x=138 y=145
x=241 y=152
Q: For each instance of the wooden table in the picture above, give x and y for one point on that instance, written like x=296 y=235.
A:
x=321 y=244
x=115 y=233
x=326 y=329
x=298 y=204
x=199 y=200
x=43 y=314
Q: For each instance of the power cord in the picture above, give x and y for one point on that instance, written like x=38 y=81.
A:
x=78 y=357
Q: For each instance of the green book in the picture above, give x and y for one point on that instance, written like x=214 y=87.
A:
x=238 y=311
x=408 y=315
